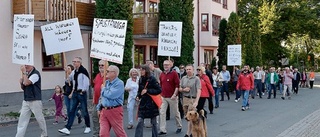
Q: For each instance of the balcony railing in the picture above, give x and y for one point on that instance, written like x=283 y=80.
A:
x=145 y=23
x=56 y=10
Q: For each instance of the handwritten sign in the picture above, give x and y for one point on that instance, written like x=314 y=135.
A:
x=234 y=55
x=62 y=36
x=23 y=29
x=108 y=39
x=169 y=41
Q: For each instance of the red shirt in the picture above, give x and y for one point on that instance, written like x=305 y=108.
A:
x=98 y=81
x=245 y=81
x=169 y=82
x=206 y=86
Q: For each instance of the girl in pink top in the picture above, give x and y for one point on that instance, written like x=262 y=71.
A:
x=58 y=99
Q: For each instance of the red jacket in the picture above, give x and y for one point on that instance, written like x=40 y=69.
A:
x=245 y=81
x=206 y=86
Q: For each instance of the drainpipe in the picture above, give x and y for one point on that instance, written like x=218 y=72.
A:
x=198 y=32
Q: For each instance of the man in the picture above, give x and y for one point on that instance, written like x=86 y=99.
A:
x=295 y=80
x=169 y=82
x=190 y=87
x=236 y=73
x=98 y=81
x=110 y=108
x=287 y=83
x=31 y=86
x=181 y=74
x=245 y=84
x=258 y=77
x=272 y=80
x=209 y=74
x=182 y=71
x=81 y=87
x=226 y=78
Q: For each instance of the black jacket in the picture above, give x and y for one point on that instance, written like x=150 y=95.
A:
x=147 y=108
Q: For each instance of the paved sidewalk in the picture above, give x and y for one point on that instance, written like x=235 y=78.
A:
x=307 y=127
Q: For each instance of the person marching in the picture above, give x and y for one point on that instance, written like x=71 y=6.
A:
x=245 y=84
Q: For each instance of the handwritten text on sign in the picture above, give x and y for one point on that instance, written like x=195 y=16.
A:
x=62 y=36
x=234 y=55
x=108 y=39
x=169 y=41
x=23 y=31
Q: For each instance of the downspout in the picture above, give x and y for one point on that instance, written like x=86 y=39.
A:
x=198 y=31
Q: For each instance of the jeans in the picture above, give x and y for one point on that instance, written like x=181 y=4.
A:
x=274 y=88
x=216 y=97
x=68 y=101
x=76 y=99
x=224 y=88
x=245 y=97
x=140 y=126
x=130 y=108
x=281 y=88
x=257 y=86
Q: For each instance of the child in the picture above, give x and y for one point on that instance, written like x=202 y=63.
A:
x=58 y=98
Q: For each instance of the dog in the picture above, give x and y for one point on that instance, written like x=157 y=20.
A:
x=198 y=123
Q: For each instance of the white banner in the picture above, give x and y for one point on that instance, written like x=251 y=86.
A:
x=169 y=41
x=234 y=55
x=62 y=36
x=108 y=39
x=23 y=34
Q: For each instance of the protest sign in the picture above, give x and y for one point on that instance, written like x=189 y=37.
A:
x=23 y=34
x=234 y=55
x=108 y=39
x=62 y=36
x=169 y=41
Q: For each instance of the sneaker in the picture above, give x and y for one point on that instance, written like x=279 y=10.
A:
x=243 y=109
x=148 y=126
x=247 y=107
x=178 y=131
x=64 y=131
x=65 y=120
x=262 y=94
x=55 y=123
x=236 y=100
x=282 y=98
x=162 y=133
x=87 y=130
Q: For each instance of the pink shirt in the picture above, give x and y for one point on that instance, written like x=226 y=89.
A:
x=287 y=78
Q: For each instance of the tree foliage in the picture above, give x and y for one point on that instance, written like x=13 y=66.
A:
x=121 y=10
x=222 y=47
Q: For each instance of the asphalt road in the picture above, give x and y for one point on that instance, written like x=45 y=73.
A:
x=266 y=118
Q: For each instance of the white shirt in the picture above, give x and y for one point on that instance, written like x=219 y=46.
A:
x=272 y=78
x=34 y=78
x=134 y=86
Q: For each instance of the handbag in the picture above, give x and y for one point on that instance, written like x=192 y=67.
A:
x=219 y=83
x=157 y=99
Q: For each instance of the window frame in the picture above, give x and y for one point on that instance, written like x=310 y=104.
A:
x=154 y=58
x=44 y=55
x=138 y=59
x=225 y=4
x=215 y=32
x=218 y=1
x=208 y=58
x=204 y=15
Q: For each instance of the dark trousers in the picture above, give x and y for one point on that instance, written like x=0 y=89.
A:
x=295 y=86
x=274 y=88
x=76 y=99
x=311 y=84
x=210 y=102
x=201 y=102
x=224 y=88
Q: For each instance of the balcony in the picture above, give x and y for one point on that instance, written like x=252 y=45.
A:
x=48 y=11
x=145 y=25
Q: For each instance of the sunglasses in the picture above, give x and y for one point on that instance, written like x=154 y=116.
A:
x=198 y=69
x=101 y=65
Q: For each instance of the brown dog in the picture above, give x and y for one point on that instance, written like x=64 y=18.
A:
x=198 y=123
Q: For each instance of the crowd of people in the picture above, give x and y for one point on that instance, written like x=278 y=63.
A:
x=155 y=92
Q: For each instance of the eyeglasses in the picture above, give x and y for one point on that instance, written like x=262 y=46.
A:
x=75 y=61
x=109 y=71
x=101 y=65
x=198 y=69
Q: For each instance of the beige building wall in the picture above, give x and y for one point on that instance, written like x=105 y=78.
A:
x=10 y=73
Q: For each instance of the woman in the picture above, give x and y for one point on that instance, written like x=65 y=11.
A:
x=311 y=78
x=132 y=86
x=280 y=82
x=303 y=79
x=147 y=107
x=206 y=87
x=68 y=87
x=217 y=83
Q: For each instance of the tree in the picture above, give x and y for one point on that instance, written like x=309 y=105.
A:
x=180 y=10
x=233 y=30
x=122 y=10
x=222 y=47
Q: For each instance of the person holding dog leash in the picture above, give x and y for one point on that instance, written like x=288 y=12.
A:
x=190 y=88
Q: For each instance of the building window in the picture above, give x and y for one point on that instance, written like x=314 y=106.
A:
x=139 y=58
x=208 y=56
x=219 y=1
x=153 y=7
x=204 y=22
x=225 y=4
x=215 y=24
x=51 y=62
x=139 y=6
x=154 y=55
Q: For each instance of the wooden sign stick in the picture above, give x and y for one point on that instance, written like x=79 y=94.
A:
x=106 y=66
x=65 y=62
